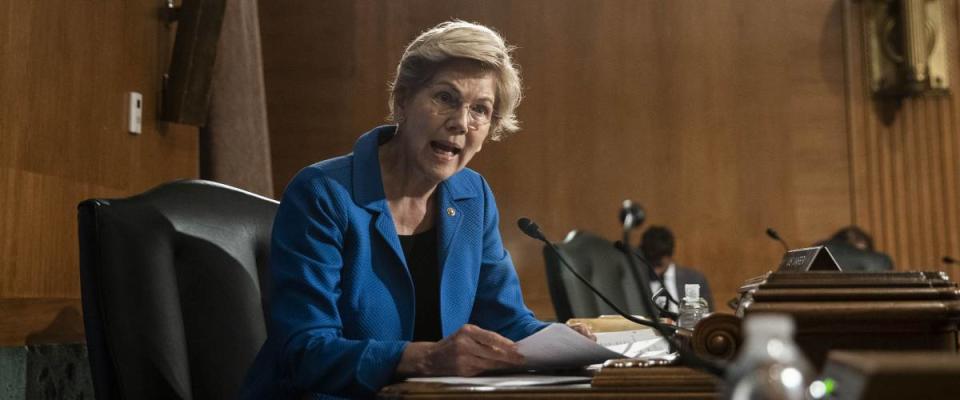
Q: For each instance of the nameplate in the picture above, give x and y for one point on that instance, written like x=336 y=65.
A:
x=809 y=259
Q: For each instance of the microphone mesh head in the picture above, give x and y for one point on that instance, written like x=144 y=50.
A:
x=530 y=228
x=523 y=223
x=632 y=214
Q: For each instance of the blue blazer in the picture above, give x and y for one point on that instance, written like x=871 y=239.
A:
x=342 y=305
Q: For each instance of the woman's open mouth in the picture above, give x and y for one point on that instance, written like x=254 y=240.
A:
x=445 y=149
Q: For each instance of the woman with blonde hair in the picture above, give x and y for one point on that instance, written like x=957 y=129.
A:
x=388 y=262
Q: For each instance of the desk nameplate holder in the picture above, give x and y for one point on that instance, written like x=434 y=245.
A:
x=816 y=258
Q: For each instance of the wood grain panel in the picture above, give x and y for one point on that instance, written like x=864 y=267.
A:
x=65 y=70
x=40 y=321
x=904 y=172
x=721 y=117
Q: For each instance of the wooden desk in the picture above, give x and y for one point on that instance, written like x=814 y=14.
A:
x=883 y=311
x=609 y=383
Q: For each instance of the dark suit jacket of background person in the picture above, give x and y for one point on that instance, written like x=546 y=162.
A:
x=685 y=276
x=852 y=259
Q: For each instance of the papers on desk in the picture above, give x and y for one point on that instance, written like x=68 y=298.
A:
x=558 y=346
x=642 y=344
x=505 y=380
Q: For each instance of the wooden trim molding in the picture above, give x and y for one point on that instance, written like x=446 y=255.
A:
x=33 y=321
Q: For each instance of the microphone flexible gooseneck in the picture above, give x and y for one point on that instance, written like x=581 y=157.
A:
x=776 y=236
x=670 y=299
x=686 y=357
x=531 y=229
x=632 y=216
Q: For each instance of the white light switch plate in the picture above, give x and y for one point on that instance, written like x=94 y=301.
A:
x=135 y=113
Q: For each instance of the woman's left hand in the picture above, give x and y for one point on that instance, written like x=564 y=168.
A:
x=584 y=330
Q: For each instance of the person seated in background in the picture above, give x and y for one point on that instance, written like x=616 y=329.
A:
x=657 y=245
x=853 y=249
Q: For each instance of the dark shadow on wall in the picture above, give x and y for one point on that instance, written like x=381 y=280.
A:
x=66 y=327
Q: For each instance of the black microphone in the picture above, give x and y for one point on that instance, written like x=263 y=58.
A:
x=632 y=215
x=947 y=260
x=531 y=229
x=776 y=236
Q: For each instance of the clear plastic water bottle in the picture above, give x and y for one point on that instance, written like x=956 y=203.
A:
x=692 y=307
x=770 y=366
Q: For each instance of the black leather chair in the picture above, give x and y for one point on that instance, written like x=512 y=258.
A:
x=852 y=259
x=597 y=260
x=174 y=286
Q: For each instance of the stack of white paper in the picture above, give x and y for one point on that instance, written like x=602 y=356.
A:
x=505 y=380
x=644 y=344
x=559 y=346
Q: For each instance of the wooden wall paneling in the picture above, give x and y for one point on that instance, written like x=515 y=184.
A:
x=900 y=224
x=921 y=165
x=926 y=120
x=937 y=219
x=867 y=151
x=951 y=129
x=904 y=169
x=928 y=207
x=951 y=195
x=65 y=70
x=864 y=150
x=909 y=179
x=872 y=187
x=947 y=232
x=889 y=190
x=722 y=117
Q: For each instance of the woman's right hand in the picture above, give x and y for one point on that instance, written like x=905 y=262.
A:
x=468 y=352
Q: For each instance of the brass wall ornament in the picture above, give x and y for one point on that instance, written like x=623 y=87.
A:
x=905 y=47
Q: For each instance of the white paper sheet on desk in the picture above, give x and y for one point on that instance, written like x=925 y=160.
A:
x=641 y=344
x=559 y=346
x=505 y=380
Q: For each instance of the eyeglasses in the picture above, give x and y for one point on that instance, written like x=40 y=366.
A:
x=447 y=103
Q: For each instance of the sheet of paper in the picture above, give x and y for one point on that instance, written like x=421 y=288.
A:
x=640 y=344
x=505 y=380
x=559 y=346
x=625 y=337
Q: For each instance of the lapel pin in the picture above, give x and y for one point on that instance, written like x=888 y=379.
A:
x=451 y=212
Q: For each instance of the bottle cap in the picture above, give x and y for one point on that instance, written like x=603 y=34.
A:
x=692 y=290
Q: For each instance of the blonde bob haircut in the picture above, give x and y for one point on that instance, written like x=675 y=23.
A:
x=449 y=41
